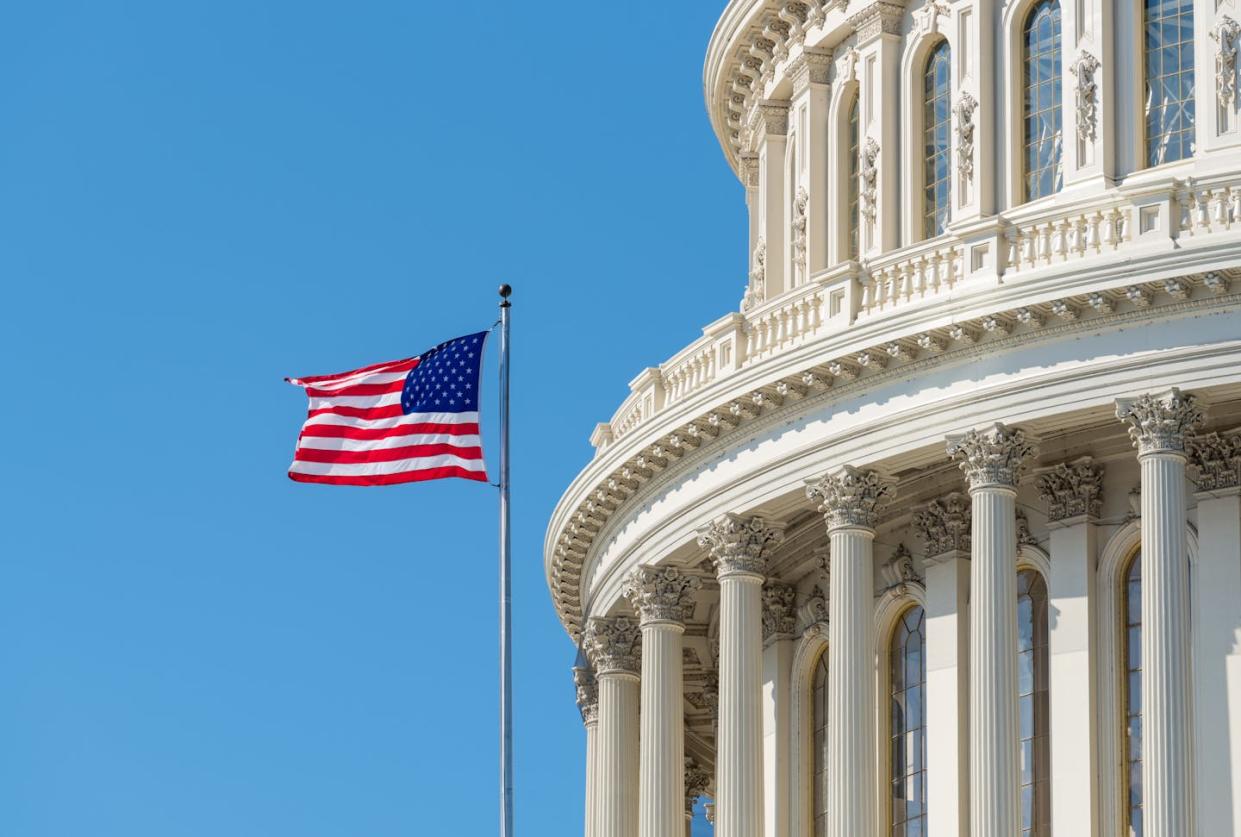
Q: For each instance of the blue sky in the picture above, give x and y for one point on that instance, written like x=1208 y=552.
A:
x=199 y=198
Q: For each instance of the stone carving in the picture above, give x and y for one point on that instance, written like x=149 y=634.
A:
x=775 y=116
x=850 y=497
x=899 y=572
x=697 y=779
x=846 y=65
x=587 y=694
x=1217 y=459
x=739 y=544
x=944 y=524
x=870 y=179
x=1083 y=70
x=1225 y=36
x=711 y=693
x=928 y=16
x=797 y=229
x=814 y=610
x=1073 y=489
x=661 y=594
x=1024 y=535
x=794 y=14
x=879 y=18
x=779 y=615
x=613 y=645
x=965 y=107
x=1160 y=422
x=993 y=456
x=756 y=290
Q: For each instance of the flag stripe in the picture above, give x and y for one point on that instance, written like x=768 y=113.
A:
x=367 y=388
x=349 y=431
x=336 y=443
x=366 y=469
x=392 y=479
x=389 y=365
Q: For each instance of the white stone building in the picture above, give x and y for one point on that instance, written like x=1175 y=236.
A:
x=940 y=533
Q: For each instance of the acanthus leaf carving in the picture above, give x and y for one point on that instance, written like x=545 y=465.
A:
x=613 y=645
x=993 y=456
x=739 y=544
x=1225 y=36
x=661 y=594
x=1217 y=459
x=1160 y=422
x=587 y=693
x=1072 y=489
x=899 y=572
x=779 y=613
x=965 y=108
x=849 y=497
x=944 y=524
x=1084 y=69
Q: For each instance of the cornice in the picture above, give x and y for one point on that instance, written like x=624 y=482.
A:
x=574 y=532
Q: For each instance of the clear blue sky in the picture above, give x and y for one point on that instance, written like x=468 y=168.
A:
x=198 y=198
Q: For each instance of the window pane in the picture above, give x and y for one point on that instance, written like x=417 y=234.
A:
x=819 y=702
x=937 y=125
x=1041 y=39
x=907 y=744
x=855 y=149
x=1132 y=655
x=1032 y=700
x=1169 y=66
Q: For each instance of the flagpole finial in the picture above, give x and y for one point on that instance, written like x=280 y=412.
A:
x=505 y=291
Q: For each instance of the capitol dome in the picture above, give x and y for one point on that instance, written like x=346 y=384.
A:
x=939 y=533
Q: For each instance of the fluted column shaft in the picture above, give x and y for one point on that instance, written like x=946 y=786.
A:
x=738 y=546
x=739 y=771
x=614 y=649
x=592 y=778
x=850 y=500
x=992 y=460
x=1168 y=798
x=662 y=760
x=850 y=685
x=994 y=732
x=617 y=800
x=1159 y=425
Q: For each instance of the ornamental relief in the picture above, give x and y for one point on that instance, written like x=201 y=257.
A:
x=1225 y=36
x=993 y=456
x=964 y=110
x=1160 y=422
x=1083 y=70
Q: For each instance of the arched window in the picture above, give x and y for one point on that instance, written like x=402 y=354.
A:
x=1168 y=36
x=936 y=131
x=855 y=148
x=907 y=657
x=819 y=745
x=1033 y=705
x=1131 y=614
x=1041 y=38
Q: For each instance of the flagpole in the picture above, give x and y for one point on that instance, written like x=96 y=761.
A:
x=506 y=587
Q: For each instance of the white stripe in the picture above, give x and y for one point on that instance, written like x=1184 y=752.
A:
x=356 y=376
x=395 y=421
x=363 y=401
x=326 y=443
x=370 y=469
x=368 y=378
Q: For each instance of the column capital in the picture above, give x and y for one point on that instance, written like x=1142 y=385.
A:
x=661 y=594
x=774 y=116
x=696 y=780
x=587 y=694
x=1072 y=489
x=1160 y=422
x=739 y=544
x=944 y=525
x=1217 y=459
x=614 y=645
x=779 y=611
x=747 y=166
x=813 y=66
x=850 y=498
x=879 y=18
x=992 y=457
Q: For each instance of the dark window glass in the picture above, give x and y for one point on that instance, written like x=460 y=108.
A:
x=907 y=743
x=936 y=130
x=1033 y=704
x=819 y=746
x=1042 y=100
x=1169 y=48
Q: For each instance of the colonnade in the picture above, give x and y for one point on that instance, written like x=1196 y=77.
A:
x=639 y=782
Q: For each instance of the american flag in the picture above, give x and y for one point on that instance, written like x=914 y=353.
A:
x=400 y=421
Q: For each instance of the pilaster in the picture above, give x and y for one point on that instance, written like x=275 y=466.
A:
x=811 y=101
x=1159 y=425
x=1088 y=59
x=879 y=46
x=944 y=526
x=779 y=618
x=850 y=501
x=1216 y=461
x=739 y=547
x=773 y=200
x=993 y=460
x=1073 y=494
x=588 y=705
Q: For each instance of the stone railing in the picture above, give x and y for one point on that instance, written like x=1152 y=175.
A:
x=1026 y=244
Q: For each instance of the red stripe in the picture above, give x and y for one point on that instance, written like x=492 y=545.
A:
x=353 y=457
x=387 y=411
x=357 y=389
x=387 y=366
x=341 y=431
x=394 y=479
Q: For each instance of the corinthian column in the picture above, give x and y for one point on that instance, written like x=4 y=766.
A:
x=1158 y=425
x=663 y=599
x=739 y=547
x=588 y=705
x=992 y=460
x=850 y=501
x=614 y=648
